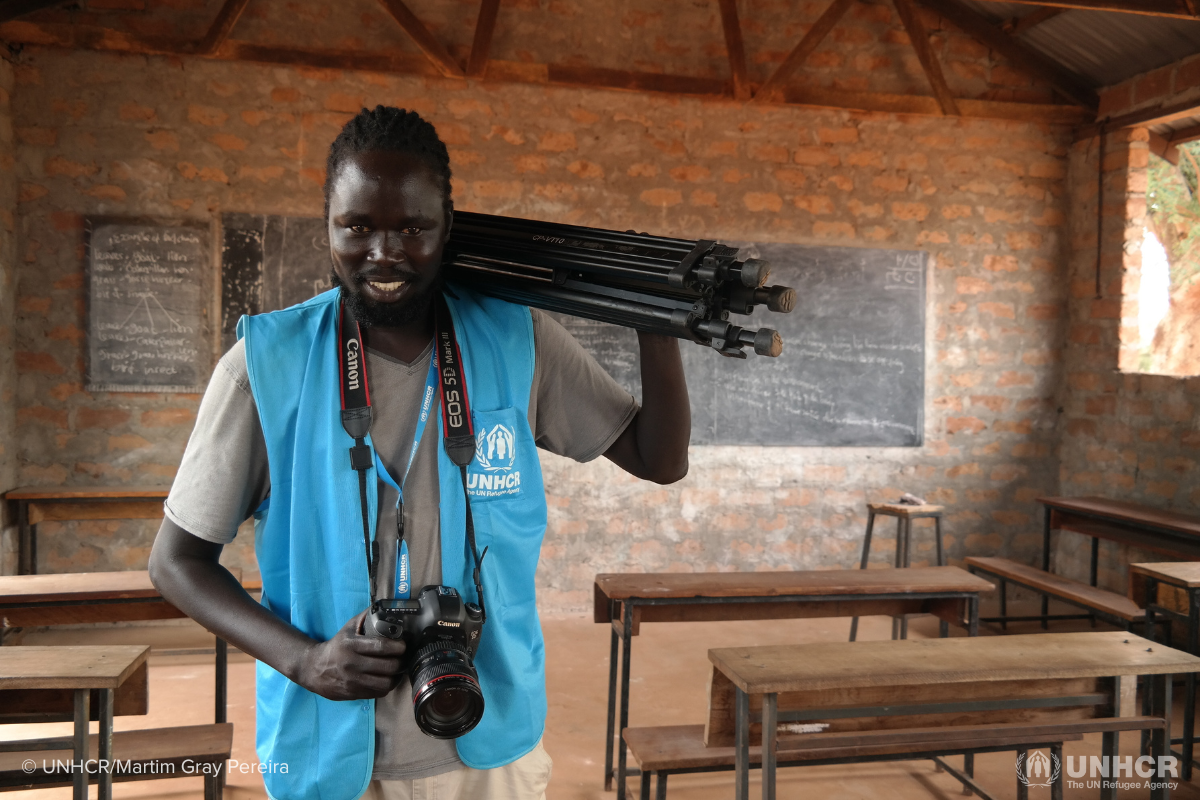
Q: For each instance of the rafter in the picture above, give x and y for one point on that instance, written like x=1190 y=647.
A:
x=431 y=47
x=1018 y=25
x=925 y=54
x=804 y=48
x=1018 y=54
x=80 y=36
x=11 y=9
x=1163 y=148
x=1153 y=8
x=221 y=27
x=1188 y=134
x=485 y=25
x=735 y=48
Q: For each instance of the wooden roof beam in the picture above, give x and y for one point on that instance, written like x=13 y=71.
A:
x=1178 y=9
x=736 y=49
x=1019 y=25
x=434 y=50
x=1018 y=54
x=804 y=48
x=1163 y=148
x=11 y=9
x=222 y=26
x=925 y=54
x=485 y=26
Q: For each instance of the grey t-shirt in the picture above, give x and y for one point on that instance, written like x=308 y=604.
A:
x=575 y=410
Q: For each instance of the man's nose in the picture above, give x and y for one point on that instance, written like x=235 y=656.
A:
x=387 y=248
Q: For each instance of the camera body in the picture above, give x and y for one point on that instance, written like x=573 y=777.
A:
x=441 y=634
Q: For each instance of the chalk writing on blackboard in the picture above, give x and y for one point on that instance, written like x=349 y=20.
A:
x=147 y=329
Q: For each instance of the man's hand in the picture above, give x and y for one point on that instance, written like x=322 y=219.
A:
x=655 y=445
x=352 y=665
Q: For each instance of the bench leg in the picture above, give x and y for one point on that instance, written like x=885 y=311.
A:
x=898 y=562
x=79 y=776
x=661 y=788
x=645 y=793
x=1003 y=604
x=741 y=742
x=770 y=724
x=969 y=771
x=612 y=712
x=222 y=678
x=1108 y=753
x=626 y=641
x=1160 y=740
x=862 y=564
x=105 y=735
x=1022 y=786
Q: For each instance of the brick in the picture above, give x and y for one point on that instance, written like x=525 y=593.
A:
x=557 y=141
x=586 y=169
x=38 y=137
x=792 y=178
x=87 y=417
x=57 y=165
x=998 y=310
x=1152 y=85
x=833 y=230
x=964 y=425
x=815 y=157
x=691 y=173
x=1043 y=311
x=956 y=211
x=206 y=115
x=1102 y=406
x=662 y=198
x=910 y=211
x=770 y=152
x=50 y=416
x=162 y=140
x=837 y=135
x=168 y=417
x=891 y=183
x=1013 y=378
x=38 y=362
x=814 y=204
x=227 y=141
x=642 y=170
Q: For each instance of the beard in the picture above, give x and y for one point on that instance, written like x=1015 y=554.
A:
x=370 y=314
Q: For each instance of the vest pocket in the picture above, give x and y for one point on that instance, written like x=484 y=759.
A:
x=504 y=455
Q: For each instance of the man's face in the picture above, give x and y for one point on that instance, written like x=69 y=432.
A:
x=387 y=229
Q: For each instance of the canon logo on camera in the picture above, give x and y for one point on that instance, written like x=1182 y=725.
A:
x=447 y=624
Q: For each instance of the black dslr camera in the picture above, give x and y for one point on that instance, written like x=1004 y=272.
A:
x=442 y=634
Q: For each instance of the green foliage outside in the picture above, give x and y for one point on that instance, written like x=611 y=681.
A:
x=1174 y=211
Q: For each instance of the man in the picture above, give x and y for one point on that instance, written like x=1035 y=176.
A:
x=269 y=442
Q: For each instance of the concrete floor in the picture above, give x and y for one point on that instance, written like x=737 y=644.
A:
x=669 y=686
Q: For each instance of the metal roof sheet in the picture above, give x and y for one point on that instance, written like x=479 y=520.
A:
x=1102 y=47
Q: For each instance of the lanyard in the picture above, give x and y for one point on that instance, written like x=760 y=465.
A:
x=458 y=432
x=403 y=567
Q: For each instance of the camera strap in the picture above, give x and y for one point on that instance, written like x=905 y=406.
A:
x=458 y=437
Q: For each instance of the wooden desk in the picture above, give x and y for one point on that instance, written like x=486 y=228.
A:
x=69 y=503
x=1172 y=589
x=626 y=600
x=900 y=669
x=1154 y=529
x=81 y=669
x=71 y=598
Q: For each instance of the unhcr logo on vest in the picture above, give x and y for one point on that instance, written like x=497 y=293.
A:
x=1038 y=769
x=496 y=455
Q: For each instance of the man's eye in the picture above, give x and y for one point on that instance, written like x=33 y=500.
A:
x=412 y=231
x=359 y=229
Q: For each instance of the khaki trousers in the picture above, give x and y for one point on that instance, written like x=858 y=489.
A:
x=524 y=779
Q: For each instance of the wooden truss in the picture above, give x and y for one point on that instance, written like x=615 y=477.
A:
x=438 y=61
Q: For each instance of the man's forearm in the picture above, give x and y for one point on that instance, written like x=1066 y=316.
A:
x=663 y=426
x=184 y=568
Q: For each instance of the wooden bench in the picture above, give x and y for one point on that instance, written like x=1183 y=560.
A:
x=195 y=750
x=69 y=503
x=92 y=597
x=189 y=751
x=680 y=749
x=1116 y=609
x=879 y=701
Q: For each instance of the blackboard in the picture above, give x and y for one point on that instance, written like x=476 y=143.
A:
x=852 y=371
x=148 y=295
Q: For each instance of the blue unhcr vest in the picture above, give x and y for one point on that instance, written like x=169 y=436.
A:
x=308 y=538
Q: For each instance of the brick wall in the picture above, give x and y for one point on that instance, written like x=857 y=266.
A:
x=8 y=285
x=191 y=138
x=1174 y=85
x=1124 y=434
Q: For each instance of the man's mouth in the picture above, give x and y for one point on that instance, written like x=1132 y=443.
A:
x=386 y=286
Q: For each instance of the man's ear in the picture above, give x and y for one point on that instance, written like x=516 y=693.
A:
x=449 y=224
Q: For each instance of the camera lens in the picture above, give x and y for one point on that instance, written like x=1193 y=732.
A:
x=447 y=700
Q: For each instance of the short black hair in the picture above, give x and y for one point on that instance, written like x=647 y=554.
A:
x=390 y=129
